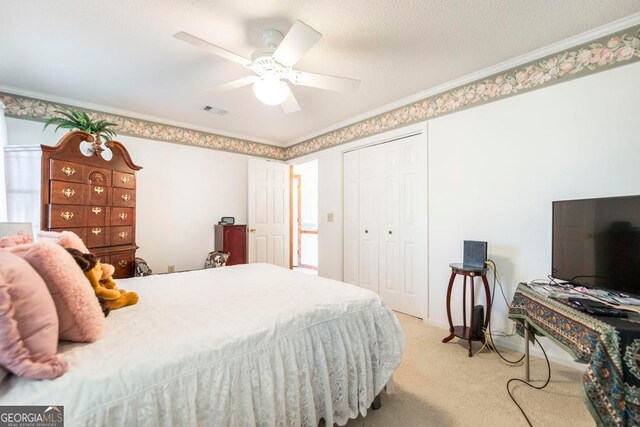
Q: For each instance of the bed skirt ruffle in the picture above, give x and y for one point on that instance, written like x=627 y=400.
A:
x=331 y=370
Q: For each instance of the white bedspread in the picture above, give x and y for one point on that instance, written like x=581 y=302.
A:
x=244 y=345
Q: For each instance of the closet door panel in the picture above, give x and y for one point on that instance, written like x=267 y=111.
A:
x=351 y=230
x=412 y=289
x=389 y=208
x=368 y=167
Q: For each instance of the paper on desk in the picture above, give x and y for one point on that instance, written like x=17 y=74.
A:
x=628 y=301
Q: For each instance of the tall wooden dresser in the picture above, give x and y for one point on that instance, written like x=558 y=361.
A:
x=93 y=197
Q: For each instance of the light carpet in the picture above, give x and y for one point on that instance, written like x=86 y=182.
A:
x=439 y=385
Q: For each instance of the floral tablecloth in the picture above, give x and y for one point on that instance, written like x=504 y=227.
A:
x=609 y=346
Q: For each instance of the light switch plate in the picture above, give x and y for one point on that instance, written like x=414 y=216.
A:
x=330 y=217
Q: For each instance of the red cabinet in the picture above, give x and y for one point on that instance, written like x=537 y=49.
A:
x=232 y=239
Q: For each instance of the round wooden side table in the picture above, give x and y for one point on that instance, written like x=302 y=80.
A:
x=466 y=332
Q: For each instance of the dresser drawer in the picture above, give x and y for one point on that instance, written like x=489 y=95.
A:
x=124 y=197
x=98 y=195
x=97 y=237
x=105 y=259
x=124 y=180
x=121 y=235
x=97 y=215
x=123 y=263
x=67 y=216
x=121 y=216
x=96 y=176
x=67 y=193
x=81 y=232
x=65 y=171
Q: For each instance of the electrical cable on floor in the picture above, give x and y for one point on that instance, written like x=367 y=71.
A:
x=492 y=265
x=546 y=383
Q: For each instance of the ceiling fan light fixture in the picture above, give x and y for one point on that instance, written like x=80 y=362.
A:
x=271 y=90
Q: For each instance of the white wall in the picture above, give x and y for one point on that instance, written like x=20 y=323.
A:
x=495 y=169
x=182 y=192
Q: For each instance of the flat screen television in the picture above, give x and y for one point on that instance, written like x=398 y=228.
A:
x=596 y=243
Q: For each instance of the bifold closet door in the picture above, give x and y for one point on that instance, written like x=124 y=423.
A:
x=385 y=222
x=412 y=226
x=368 y=206
x=388 y=205
x=351 y=231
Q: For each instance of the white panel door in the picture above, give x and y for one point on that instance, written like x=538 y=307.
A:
x=368 y=206
x=351 y=238
x=412 y=288
x=268 y=212
x=389 y=220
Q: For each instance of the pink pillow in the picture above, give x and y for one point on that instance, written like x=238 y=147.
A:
x=66 y=239
x=28 y=322
x=20 y=238
x=79 y=313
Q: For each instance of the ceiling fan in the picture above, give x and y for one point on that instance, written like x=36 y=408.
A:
x=273 y=66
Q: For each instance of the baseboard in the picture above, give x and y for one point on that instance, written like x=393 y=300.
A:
x=516 y=344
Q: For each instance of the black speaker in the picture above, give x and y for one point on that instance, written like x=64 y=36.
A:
x=475 y=254
x=478 y=321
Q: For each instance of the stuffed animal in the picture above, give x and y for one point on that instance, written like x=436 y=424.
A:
x=87 y=262
x=106 y=280
x=100 y=277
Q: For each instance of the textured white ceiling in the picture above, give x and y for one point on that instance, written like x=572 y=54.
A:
x=121 y=53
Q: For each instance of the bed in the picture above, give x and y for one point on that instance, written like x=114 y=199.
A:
x=244 y=345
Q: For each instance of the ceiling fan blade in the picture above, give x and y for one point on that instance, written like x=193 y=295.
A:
x=238 y=83
x=298 y=40
x=322 y=81
x=217 y=50
x=290 y=105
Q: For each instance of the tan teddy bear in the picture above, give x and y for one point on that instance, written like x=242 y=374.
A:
x=106 y=280
x=101 y=278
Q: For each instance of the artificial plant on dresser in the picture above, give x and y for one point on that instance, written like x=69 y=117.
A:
x=89 y=187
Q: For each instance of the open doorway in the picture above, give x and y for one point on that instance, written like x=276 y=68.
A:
x=304 y=217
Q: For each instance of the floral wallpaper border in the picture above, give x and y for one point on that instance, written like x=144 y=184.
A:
x=36 y=109
x=605 y=53
x=617 y=49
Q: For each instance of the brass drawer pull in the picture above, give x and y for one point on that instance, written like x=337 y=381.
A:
x=68 y=192
x=98 y=190
x=96 y=210
x=66 y=215
x=123 y=263
x=68 y=171
x=123 y=234
x=125 y=197
x=124 y=179
x=96 y=231
x=122 y=216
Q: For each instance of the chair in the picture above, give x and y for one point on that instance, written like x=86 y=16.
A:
x=216 y=259
x=141 y=268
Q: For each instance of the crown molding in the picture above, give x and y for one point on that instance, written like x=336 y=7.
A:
x=600 y=49
x=619 y=48
x=125 y=113
x=23 y=107
x=582 y=38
